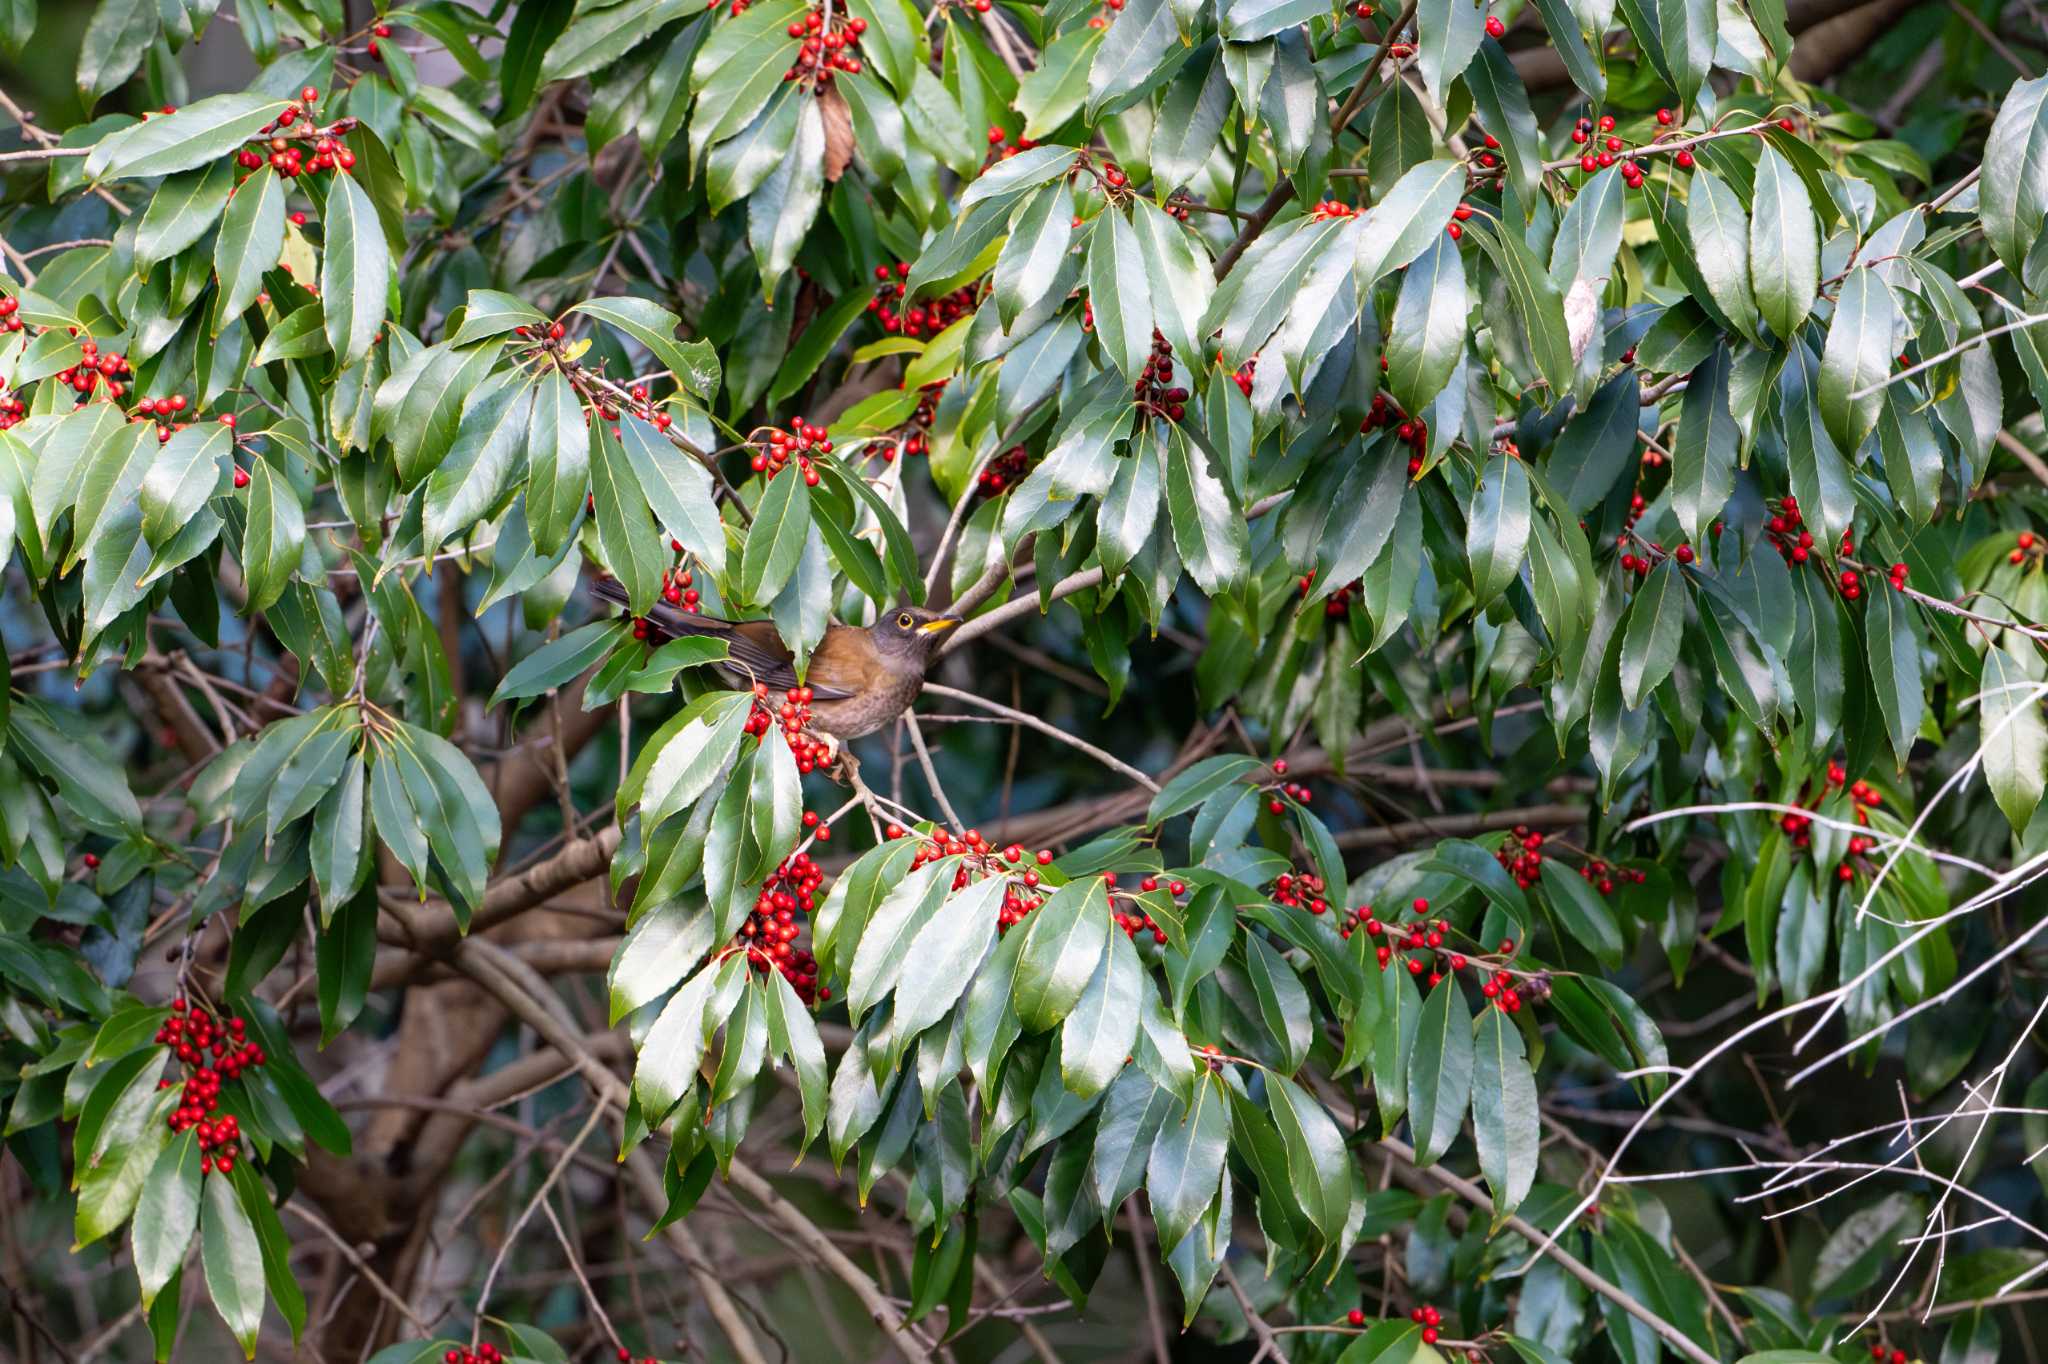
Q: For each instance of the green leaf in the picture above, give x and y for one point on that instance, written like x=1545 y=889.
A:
x=1448 y=34
x=1649 y=645
x=879 y=958
x=234 y=1262
x=694 y=363
x=1283 y=1003
x=1497 y=529
x=1784 y=245
x=1408 y=218
x=794 y=1033
x=782 y=521
x=1894 y=651
x=1208 y=527
x=251 y=240
x=1720 y=235
x=1428 y=332
x=298 y=336
x=625 y=529
x=1858 y=356
x=1097 y=1037
x=780 y=212
x=1687 y=33
x=1121 y=297
x=1506 y=1126
x=490 y=442
x=941 y=960
x=1440 y=1071
x=355 y=269
x=2015 y=742
x=345 y=952
x=685 y=757
x=167 y=1215
x=1503 y=103
x=189 y=470
x=1064 y=940
x=1538 y=302
x=679 y=492
x=1584 y=914
x=1317 y=1161
x=275 y=536
x=2013 y=195
x=116 y=38
x=1186 y=1164
x=202 y=131
x=557 y=464
x=1704 y=450
x=492 y=312
x=559 y=661
x=181 y=211
x=601 y=36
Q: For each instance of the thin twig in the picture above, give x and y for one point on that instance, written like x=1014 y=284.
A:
x=1114 y=764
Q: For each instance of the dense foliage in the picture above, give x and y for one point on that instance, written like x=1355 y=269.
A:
x=1502 y=653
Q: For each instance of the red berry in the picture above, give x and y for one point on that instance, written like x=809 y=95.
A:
x=1494 y=27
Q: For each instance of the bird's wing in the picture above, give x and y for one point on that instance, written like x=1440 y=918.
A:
x=753 y=650
x=845 y=664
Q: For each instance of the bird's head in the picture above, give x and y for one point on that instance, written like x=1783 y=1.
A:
x=911 y=633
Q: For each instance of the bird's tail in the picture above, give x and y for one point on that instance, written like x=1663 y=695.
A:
x=670 y=622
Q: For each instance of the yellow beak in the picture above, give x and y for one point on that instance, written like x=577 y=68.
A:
x=933 y=627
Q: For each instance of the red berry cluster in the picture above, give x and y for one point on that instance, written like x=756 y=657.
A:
x=928 y=318
x=213 y=1051
x=626 y=1355
x=286 y=153
x=1274 y=805
x=678 y=587
x=1488 y=159
x=1603 y=876
x=1001 y=148
x=1427 y=1316
x=1151 y=392
x=1412 y=432
x=1459 y=215
x=793 y=716
x=164 y=410
x=1244 y=374
x=1788 y=533
x=1653 y=458
x=1137 y=921
x=1334 y=605
x=1332 y=208
x=773 y=455
x=9 y=306
x=825 y=50
x=94 y=368
x=981 y=858
x=1878 y=1353
x=12 y=410
x=1300 y=890
x=1601 y=143
x=2028 y=545
x=485 y=1353
x=1522 y=855
x=770 y=932
x=1003 y=472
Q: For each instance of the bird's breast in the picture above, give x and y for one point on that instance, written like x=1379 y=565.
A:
x=872 y=708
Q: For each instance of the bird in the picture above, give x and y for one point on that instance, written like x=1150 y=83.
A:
x=860 y=677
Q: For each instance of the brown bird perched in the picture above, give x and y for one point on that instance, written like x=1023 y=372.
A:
x=861 y=677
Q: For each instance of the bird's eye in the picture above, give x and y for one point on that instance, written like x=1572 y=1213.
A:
x=903 y=622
